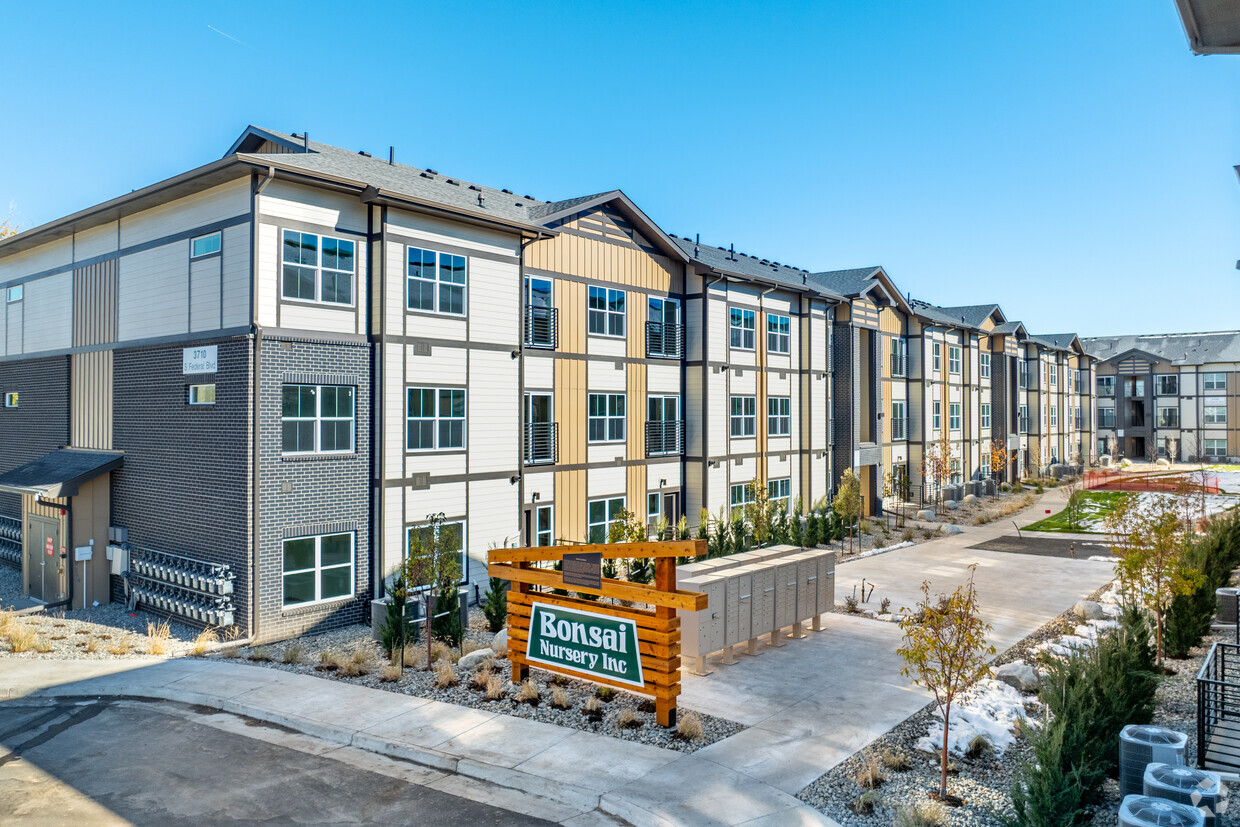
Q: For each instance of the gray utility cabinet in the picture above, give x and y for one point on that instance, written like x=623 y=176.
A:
x=762 y=614
x=785 y=596
x=826 y=587
x=703 y=632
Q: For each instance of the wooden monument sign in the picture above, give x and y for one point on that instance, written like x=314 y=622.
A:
x=630 y=648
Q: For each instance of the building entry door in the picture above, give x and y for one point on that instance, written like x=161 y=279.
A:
x=45 y=568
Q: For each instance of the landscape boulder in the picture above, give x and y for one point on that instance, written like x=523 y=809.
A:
x=970 y=498
x=953 y=529
x=1088 y=610
x=1163 y=462
x=952 y=505
x=1019 y=675
x=927 y=515
x=500 y=642
x=475 y=659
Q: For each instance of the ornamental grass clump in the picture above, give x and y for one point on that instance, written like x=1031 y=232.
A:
x=205 y=638
x=445 y=675
x=627 y=719
x=559 y=698
x=157 y=637
x=528 y=693
x=690 y=728
x=495 y=688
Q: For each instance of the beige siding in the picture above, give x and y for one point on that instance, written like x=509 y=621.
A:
x=90 y=400
x=94 y=304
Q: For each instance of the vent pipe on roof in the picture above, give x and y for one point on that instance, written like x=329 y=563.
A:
x=391 y=155
x=731 y=252
x=306 y=138
x=697 y=239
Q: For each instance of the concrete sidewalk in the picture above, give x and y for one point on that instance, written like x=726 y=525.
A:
x=641 y=784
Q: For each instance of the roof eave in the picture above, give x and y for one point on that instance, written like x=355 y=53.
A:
x=632 y=212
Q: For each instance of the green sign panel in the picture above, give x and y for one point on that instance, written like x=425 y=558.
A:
x=594 y=644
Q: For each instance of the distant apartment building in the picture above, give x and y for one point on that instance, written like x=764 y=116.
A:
x=1172 y=396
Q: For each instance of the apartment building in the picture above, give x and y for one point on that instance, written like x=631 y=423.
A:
x=1172 y=396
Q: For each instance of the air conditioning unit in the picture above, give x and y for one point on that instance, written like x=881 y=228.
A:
x=1145 y=811
x=1142 y=745
x=1225 y=605
x=1184 y=785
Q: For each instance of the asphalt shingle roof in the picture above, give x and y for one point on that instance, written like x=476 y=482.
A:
x=1177 y=348
x=847 y=283
x=720 y=259
x=973 y=314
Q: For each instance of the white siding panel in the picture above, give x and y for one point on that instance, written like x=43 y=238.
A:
x=393 y=530
x=96 y=241
x=604 y=451
x=605 y=345
x=435 y=464
x=44 y=257
x=394 y=426
x=494 y=518
x=542 y=484
x=204 y=294
x=656 y=471
x=4 y=314
x=693 y=412
x=447 y=497
x=153 y=293
x=236 y=276
x=603 y=376
x=664 y=378
x=693 y=329
x=445 y=366
x=268 y=274
x=494 y=301
x=318 y=317
x=539 y=374
x=14 y=314
x=492 y=412
x=434 y=231
x=216 y=204
x=311 y=205
x=609 y=482
x=48 y=314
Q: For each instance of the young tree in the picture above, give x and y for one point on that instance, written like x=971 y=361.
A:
x=936 y=464
x=847 y=503
x=1076 y=497
x=997 y=457
x=433 y=565
x=758 y=513
x=1148 y=541
x=945 y=650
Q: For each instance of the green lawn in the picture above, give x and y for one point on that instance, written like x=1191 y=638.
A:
x=1089 y=516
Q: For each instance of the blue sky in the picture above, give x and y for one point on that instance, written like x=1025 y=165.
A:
x=1071 y=161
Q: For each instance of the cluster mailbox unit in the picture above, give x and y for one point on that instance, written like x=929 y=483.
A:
x=754 y=593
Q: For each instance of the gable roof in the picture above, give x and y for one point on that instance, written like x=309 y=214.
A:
x=1062 y=341
x=1176 y=348
x=862 y=281
x=975 y=314
x=548 y=214
x=1012 y=327
x=751 y=267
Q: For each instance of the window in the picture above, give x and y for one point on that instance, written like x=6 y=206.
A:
x=1168 y=417
x=953 y=359
x=202 y=394
x=317 y=419
x=741 y=496
x=1167 y=385
x=10 y=400
x=606 y=417
x=434 y=418
x=984 y=414
x=652 y=506
x=542 y=526
x=778 y=416
x=1215 y=415
x=938 y=356
x=204 y=245
x=984 y=365
x=663 y=329
x=953 y=416
x=451 y=538
x=1022 y=374
x=899 y=425
x=1053 y=371
x=309 y=276
x=15 y=293
x=1134 y=388
x=1024 y=419
x=606 y=311
x=779 y=491
x=1106 y=417
x=1054 y=416
x=436 y=281
x=741 y=328
x=1210 y=381
x=317 y=569
x=1106 y=385
x=899 y=360
x=1216 y=447
x=600 y=514
x=778 y=334
x=742 y=413
x=936 y=415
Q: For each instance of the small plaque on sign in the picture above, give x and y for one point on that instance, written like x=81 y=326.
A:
x=585 y=570
x=201 y=359
x=83 y=553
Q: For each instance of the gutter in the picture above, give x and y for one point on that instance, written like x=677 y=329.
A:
x=256 y=330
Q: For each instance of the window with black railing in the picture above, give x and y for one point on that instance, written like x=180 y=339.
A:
x=541 y=442
x=1022 y=424
x=899 y=364
x=664 y=340
x=542 y=327
x=899 y=428
x=665 y=437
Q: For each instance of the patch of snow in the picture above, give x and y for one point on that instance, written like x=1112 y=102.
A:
x=882 y=550
x=1102 y=558
x=992 y=708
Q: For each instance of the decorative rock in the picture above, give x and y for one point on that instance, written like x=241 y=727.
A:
x=952 y=505
x=475 y=659
x=1163 y=462
x=970 y=498
x=1019 y=675
x=500 y=642
x=927 y=515
x=953 y=529
x=1088 y=610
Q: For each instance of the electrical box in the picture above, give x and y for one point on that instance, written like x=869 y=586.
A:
x=117 y=535
x=120 y=559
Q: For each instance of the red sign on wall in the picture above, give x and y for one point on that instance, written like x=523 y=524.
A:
x=51 y=551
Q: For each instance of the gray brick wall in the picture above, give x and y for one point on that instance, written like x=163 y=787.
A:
x=39 y=424
x=844 y=360
x=300 y=496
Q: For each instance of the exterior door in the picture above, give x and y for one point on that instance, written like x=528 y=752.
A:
x=540 y=313
x=671 y=508
x=45 y=567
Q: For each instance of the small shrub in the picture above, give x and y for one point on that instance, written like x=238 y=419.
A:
x=440 y=651
x=1039 y=489
x=21 y=638
x=605 y=693
x=870 y=776
x=329 y=660
x=627 y=719
x=850 y=604
x=927 y=533
x=43 y=647
x=690 y=728
x=6 y=621
x=495 y=688
x=884 y=605
x=121 y=646
x=391 y=673
x=592 y=707
x=559 y=698
x=921 y=814
x=294 y=653
x=157 y=636
x=979 y=747
x=359 y=663
x=232 y=632
x=93 y=644
x=204 y=639
x=866 y=802
x=230 y=652
x=495 y=604
x=481 y=678
x=906 y=536
x=558 y=680
x=445 y=675
x=260 y=654
x=528 y=693
x=413 y=656
x=895 y=760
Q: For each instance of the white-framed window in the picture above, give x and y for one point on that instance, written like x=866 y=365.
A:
x=740 y=495
x=1168 y=418
x=1216 y=447
x=984 y=365
x=204 y=245
x=434 y=418
x=938 y=356
x=202 y=394
x=600 y=514
x=778 y=416
x=1167 y=385
x=1106 y=385
x=1022 y=374
x=1024 y=419
x=778 y=333
x=317 y=569
x=741 y=325
x=899 y=356
x=15 y=293
x=1106 y=417
x=936 y=415
x=1053 y=372
x=742 y=413
x=779 y=490
x=953 y=359
x=652 y=507
x=317 y=268
x=435 y=281
x=605 y=417
x=10 y=400
x=899 y=423
x=451 y=537
x=953 y=416
x=1054 y=416
x=984 y=414
x=1043 y=418
x=606 y=312
x=1214 y=381
x=318 y=419
x=544 y=525
x=1215 y=414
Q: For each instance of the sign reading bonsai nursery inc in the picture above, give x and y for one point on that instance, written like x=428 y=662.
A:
x=601 y=646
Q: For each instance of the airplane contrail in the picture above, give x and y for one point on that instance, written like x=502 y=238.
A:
x=230 y=37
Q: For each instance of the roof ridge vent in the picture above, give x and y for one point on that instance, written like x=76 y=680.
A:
x=428 y=175
x=475 y=188
x=507 y=191
x=363 y=153
x=454 y=183
x=431 y=171
x=530 y=198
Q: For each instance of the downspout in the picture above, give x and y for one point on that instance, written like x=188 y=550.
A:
x=67 y=511
x=257 y=331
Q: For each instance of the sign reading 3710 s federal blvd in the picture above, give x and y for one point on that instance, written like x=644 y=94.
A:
x=598 y=645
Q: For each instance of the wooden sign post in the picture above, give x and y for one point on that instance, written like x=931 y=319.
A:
x=630 y=648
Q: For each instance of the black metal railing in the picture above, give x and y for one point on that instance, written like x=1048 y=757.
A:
x=541 y=442
x=1218 y=708
x=665 y=340
x=899 y=364
x=1022 y=424
x=899 y=428
x=542 y=327
x=664 y=438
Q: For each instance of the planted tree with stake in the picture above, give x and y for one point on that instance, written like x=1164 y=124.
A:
x=945 y=650
x=433 y=565
x=847 y=502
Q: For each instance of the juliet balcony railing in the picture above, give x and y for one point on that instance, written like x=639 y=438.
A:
x=542 y=327
x=1022 y=424
x=899 y=364
x=665 y=438
x=665 y=341
x=899 y=428
x=541 y=442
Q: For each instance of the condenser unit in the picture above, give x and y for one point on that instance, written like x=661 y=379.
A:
x=1186 y=785
x=1142 y=745
x=1146 y=811
x=1225 y=605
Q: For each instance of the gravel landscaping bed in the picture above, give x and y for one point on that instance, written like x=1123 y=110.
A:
x=354 y=643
